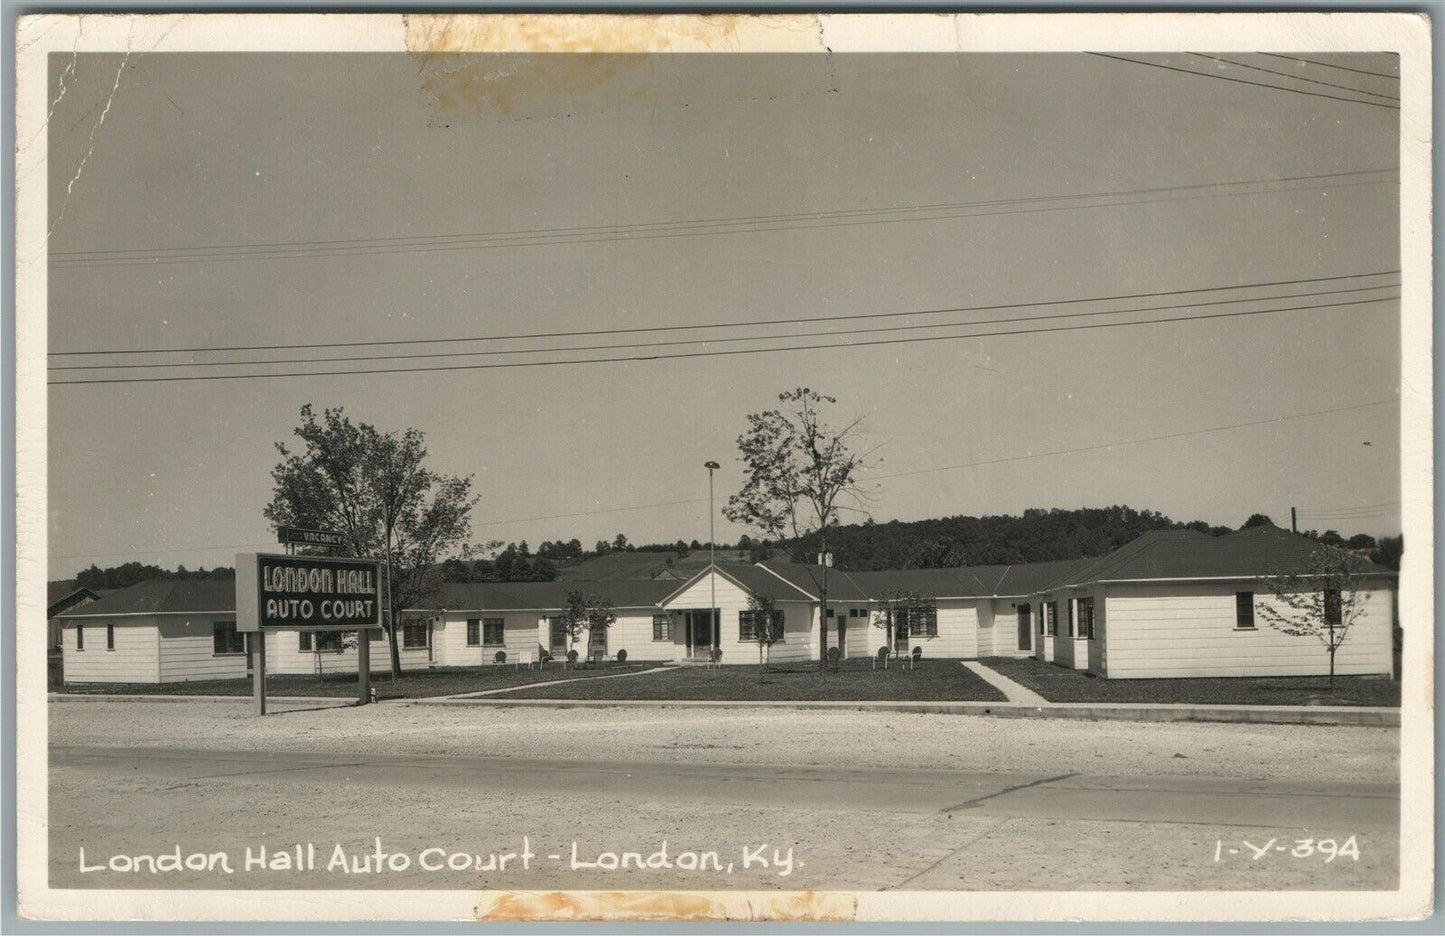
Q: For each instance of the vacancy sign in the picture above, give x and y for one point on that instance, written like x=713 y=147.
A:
x=312 y=592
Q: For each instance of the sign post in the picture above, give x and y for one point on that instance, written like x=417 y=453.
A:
x=314 y=593
x=258 y=671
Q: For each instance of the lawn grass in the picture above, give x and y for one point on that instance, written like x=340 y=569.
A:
x=417 y=684
x=1060 y=684
x=852 y=680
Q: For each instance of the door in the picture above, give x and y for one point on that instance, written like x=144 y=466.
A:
x=1026 y=627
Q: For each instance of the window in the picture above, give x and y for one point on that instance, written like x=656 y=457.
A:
x=110 y=636
x=748 y=621
x=857 y=612
x=376 y=633
x=320 y=641
x=413 y=634
x=1051 y=618
x=1073 y=617
x=80 y=636
x=1086 y=618
x=1334 y=609
x=474 y=632
x=662 y=627
x=919 y=622
x=1244 y=610
x=494 y=632
x=225 y=640
x=557 y=634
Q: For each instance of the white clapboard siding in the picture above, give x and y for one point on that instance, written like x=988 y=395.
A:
x=1189 y=630
x=521 y=632
x=188 y=651
x=135 y=659
x=632 y=631
x=285 y=656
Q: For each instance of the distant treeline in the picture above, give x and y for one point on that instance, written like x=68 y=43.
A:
x=124 y=576
x=1037 y=536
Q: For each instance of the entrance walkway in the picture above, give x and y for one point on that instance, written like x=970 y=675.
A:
x=1014 y=691
x=554 y=682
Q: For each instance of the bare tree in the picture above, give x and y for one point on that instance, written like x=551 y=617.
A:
x=1322 y=599
x=798 y=471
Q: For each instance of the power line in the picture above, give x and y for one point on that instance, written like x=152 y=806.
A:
x=1324 y=510
x=702 y=354
x=720 y=325
x=713 y=341
x=1158 y=438
x=1257 y=84
x=1358 y=71
x=736 y=219
x=1271 y=71
x=657 y=230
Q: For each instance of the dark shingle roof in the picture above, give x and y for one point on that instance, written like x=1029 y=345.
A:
x=646 y=565
x=931 y=583
x=1185 y=554
x=163 y=596
x=809 y=580
x=544 y=596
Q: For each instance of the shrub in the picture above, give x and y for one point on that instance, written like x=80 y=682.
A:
x=501 y=657
x=833 y=655
x=621 y=656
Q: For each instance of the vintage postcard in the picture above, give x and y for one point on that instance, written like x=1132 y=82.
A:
x=733 y=467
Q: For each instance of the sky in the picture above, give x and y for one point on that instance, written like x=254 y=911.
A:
x=241 y=200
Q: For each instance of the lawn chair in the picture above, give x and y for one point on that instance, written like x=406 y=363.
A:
x=524 y=656
x=880 y=658
x=914 y=657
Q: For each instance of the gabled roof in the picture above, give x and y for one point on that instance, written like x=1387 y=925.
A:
x=1190 y=554
x=750 y=578
x=808 y=579
x=61 y=596
x=544 y=596
x=646 y=565
x=163 y=596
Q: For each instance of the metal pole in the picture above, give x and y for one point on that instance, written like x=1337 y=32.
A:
x=712 y=555
x=363 y=667
x=258 y=672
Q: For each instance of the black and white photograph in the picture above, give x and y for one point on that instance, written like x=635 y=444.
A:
x=729 y=467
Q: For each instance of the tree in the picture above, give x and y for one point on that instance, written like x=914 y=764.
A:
x=585 y=612
x=798 y=469
x=1388 y=552
x=895 y=608
x=620 y=543
x=762 y=623
x=1256 y=520
x=373 y=488
x=1320 y=600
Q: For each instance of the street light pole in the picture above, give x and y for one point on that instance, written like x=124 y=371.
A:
x=712 y=553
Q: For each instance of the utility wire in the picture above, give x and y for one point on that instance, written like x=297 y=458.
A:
x=1271 y=71
x=1358 y=71
x=694 y=229
x=708 y=341
x=737 y=219
x=703 y=354
x=1158 y=438
x=713 y=341
x=721 y=325
x=1257 y=84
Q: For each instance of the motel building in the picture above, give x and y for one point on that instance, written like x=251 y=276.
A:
x=1170 y=603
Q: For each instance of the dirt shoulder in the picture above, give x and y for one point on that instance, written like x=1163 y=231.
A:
x=777 y=736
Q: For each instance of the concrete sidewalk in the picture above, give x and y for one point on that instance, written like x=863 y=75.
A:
x=550 y=682
x=1016 y=692
x=1092 y=711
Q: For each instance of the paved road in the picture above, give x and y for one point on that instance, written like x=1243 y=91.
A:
x=1214 y=801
